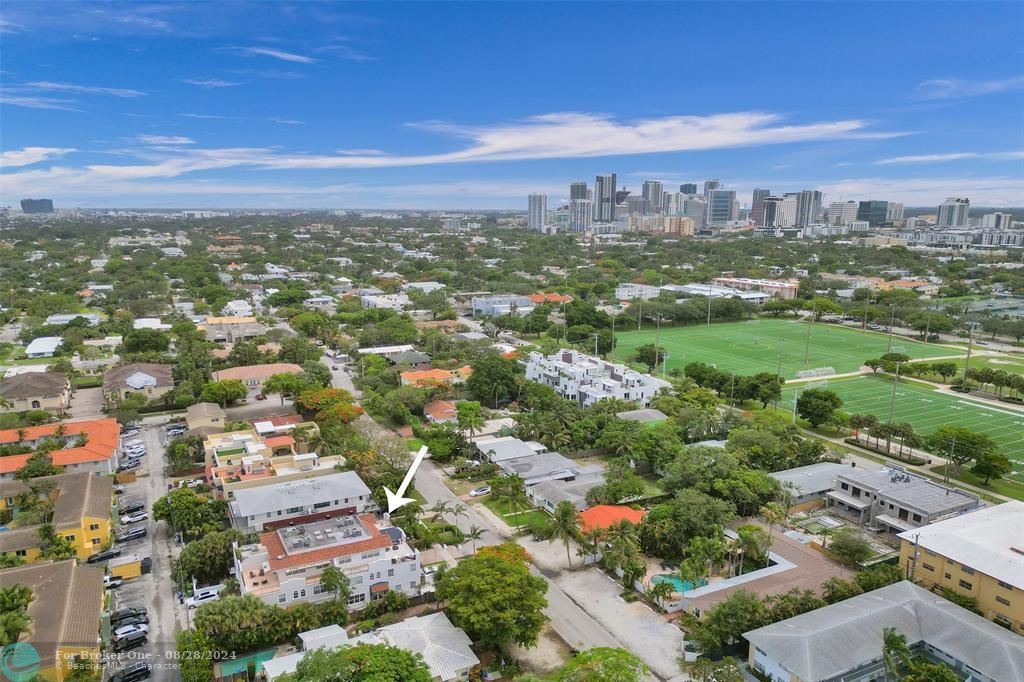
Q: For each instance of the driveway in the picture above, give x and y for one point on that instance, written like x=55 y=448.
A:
x=639 y=629
x=154 y=591
x=87 y=403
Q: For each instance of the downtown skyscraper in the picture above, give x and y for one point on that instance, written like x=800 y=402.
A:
x=653 y=192
x=538 y=212
x=757 y=206
x=604 y=198
x=953 y=212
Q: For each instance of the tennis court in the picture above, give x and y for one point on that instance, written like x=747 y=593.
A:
x=926 y=410
x=755 y=345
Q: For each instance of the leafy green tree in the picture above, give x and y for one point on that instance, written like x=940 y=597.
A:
x=494 y=379
x=38 y=464
x=495 y=599
x=960 y=445
x=650 y=355
x=190 y=513
x=223 y=392
x=193 y=665
x=726 y=622
x=208 y=558
x=818 y=405
x=361 y=663
x=725 y=670
x=470 y=417
x=145 y=341
x=991 y=465
x=54 y=546
x=603 y=664
x=285 y=384
x=335 y=582
x=849 y=546
x=299 y=351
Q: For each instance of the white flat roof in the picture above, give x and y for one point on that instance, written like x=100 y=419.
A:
x=988 y=540
x=44 y=344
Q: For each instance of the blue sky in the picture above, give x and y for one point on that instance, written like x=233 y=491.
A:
x=459 y=105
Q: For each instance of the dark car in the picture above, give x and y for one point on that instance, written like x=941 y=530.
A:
x=131 y=508
x=130 y=612
x=132 y=641
x=132 y=534
x=141 y=619
x=140 y=670
x=147 y=565
x=105 y=555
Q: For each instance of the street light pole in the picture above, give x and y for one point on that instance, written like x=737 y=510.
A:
x=970 y=347
x=807 y=344
x=781 y=343
x=892 y=321
x=709 y=304
x=892 y=400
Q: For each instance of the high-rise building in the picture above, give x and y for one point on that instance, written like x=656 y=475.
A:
x=875 y=212
x=673 y=203
x=996 y=221
x=771 y=208
x=757 y=205
x=696 y=210
x=578 y=190
x=639 y=205
x=721 y=206
x=37 y=205
x=538 y=215
x=581 y=215
x=787 y=210
x=842 y=212
x=711 y=186
x=652 y=191
x=894 y=212
x=688 y=188
x=604 y=198
x=953 y=212
x=808 y=207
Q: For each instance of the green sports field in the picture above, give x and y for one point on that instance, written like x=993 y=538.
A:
x=926 y=410
x=753 y=346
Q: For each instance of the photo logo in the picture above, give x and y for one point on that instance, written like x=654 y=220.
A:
x=19 y=662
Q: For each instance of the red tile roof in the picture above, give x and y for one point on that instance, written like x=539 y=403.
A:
x=440 y=409
x=541 y=297
x=103 y=438
x=604 y=515
x=279 y=441
x=279 y=558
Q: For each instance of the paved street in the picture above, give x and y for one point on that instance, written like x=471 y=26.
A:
x=156 y=590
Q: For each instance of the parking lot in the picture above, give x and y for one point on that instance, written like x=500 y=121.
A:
x=154 y=591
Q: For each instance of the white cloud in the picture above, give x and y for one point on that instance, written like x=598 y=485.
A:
x=83 y=89
x=10 y=26
x=211 y=82
x=930 y=191
x=218 y=117
x=36 y=102
x=26 y=156
x=277 y=54
x=954 y=156
x=347 y=52
x=165 y=139
x=360 y=152
x=953 y=88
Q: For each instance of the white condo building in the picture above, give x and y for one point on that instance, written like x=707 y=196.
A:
x=587 y=379
x=538 y=211
x=285 y=566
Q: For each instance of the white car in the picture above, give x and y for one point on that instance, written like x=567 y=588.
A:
x=689 y=651
x=110 y=581
x=134 y=518
x=481 y=491
x=126 y=630
x=201 y=598
x=130 y=433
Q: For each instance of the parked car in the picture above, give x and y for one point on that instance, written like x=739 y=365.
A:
x=131 y=534
x=191 y=483
x=135 y=517
x=689 y=651
x=129 y=426
x=334 y=367
x=131 y=507
x=261 y=397
x=112 y=582
x=134 y=620
x=130 y=433
x=134 y=450
x=200 y=598
x=128 y=465
x=981 y=342
x=119 y=489
x=128 y=612
x=105 y=555
x=481 y=491
x=130 y=642
x=126 y=630
x=133 y=672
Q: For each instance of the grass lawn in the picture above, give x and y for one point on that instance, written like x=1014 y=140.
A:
x=754 y=346
x=414 y=443
x=927 y=410
x=521 y=518
x=1007 y=487
x=1008 y=363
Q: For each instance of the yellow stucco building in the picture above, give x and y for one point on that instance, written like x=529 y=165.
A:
x=81 y=512
x=978 y=554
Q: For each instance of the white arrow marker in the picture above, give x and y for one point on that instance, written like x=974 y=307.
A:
x=395 y=500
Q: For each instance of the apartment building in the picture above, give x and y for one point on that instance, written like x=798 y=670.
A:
x=48 y=391
x=277 y=504
x=501 y=304
x=250 y=459
x=894 y=500
x=232 y=329
x=81 y=506
x=979 y=555
x=285 y=566
x=777 y=288
x=88 y=445
x=587 y=379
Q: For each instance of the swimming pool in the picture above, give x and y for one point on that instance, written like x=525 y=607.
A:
x=678 y=584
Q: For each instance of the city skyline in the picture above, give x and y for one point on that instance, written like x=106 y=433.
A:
x=322 y=106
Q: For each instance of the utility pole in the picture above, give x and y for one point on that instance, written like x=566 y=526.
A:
x=657 y=341
x=664 y=365
x=949 y=461
x=892 y=320
x=807 y=344
x=709 y=304
x=596 y=337
x=782 y=342
x=970 y=347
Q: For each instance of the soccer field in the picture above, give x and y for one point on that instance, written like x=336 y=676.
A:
x=753 y=346
x=927 y=410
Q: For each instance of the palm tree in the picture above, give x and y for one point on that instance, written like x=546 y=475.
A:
x=518 y=502
x=21 y=435
x=659 y=591
x=473 y=534
x=565 y=525
x=773 y=514
x=5 y=403
x=895 y=652
x=593 y=541
x=439 y=509
x=458 y=510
